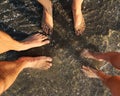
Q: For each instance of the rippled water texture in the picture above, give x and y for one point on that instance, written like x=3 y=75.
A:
x=20 y=18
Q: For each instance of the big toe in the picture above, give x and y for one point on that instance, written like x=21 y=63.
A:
x=49 y=59
x=47 y=66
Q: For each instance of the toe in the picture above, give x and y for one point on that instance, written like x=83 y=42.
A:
x=78 y=32
x=45 y=42
x=44 y=37
x=49 y=59
x=48 y=65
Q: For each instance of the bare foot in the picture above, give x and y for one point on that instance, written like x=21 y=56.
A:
x=79 y=29
x=79 y=23
x=35 y=41
x=41 y=62
x=47 y=22
x=87 y=54
x=90 y=72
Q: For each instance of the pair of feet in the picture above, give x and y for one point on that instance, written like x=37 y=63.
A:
x=79 y=23
x=41 y=62
x=89 y=72
x=111 y=57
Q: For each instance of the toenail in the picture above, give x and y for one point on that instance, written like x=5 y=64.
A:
x=50 y=59
x=50 y=64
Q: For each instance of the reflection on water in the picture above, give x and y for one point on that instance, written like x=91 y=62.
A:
x=21 y=18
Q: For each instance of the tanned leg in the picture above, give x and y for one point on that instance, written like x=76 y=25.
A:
x=112 y=57
x=47 y=22
x=112 y=82
x=9 y=70
x=7 y=43
x=79 y=23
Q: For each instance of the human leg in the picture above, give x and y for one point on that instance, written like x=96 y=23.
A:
x=9 y=70
x=47 y=22
x=7 y=43
x=79 y=23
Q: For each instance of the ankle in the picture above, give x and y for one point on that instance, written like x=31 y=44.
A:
x=23 y=46
x=18 y=46
x=24 y=61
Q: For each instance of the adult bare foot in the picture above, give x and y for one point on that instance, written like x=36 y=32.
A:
x=34 y=41
x=47 y=22
x=90 y=72
x=41 y=62
x=79 y=23
x=8 y=43
x=87 y=54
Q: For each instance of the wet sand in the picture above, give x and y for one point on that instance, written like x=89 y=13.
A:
x=21 y=18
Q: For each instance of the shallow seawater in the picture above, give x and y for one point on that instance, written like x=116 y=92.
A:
x=21 y=18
